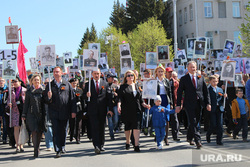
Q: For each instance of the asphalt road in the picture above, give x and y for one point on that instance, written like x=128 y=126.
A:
x=233 y=153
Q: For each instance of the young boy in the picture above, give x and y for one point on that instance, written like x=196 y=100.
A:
x=159 y=115
x=216 y=114
x=240 y=114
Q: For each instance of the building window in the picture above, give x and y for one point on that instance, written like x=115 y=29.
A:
x=208 y=9
x=191 y=12
x=185 y=15
x=180 y=18
x=192 y=35
x=236 y=9
x=237 y=37
x=222 y=9
x=209 y=35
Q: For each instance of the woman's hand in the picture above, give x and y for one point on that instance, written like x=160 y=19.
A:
x=10 y=105
x=49 y=94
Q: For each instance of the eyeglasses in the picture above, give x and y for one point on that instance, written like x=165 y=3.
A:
x=130 y=75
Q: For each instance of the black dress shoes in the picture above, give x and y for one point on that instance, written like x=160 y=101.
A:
x=127 y=146
x=63 y=151
x=208 y=138
x=190 y=142
x=198 y=145
x=58 y=154
x=137 y=149
x=97 y=150
x=220 y=143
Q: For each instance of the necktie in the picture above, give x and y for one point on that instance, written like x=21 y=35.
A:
x=97 y=87
x=193 y=80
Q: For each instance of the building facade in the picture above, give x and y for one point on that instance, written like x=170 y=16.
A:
x=216 y=19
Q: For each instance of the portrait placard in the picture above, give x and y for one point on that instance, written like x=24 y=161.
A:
x=217 y=65
x=228 y=70
x=210 y=66
x=48 y=55
x=103 y=62
x=170 y=64
x=125 y=50
x=163 y=53
x=38 y=56
x=33 y=64
x=181 y=54
x=247 y=66
x=142 y=68
x=238 y=50
x=60 y=63
x=181 y=71
x=68 y=59
x=190 y=47
x=75 y=66
x=237 y=81
x=151 y=60
x=90 y=59
x=177 y=62
x=204 y=65
x=229 y=45
x=9 y=69
x=126 y=64
x=8 y=54
x=12 y=35
x=149 y=89
x=200 y=49
x=95 y=46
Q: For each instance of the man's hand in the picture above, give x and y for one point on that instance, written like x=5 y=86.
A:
x=225 y=95
x=177 y=109
x=10 y=105
x=208 y=107
x=73 y=115
x=49 y=94
x=23 y=118
x=88 y=94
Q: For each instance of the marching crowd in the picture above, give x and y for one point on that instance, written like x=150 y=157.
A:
x=57 y=108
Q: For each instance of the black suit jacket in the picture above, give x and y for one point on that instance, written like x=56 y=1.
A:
x=191 y=93
x=98 y=102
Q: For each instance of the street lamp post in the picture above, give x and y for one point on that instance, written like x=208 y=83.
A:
x=175 y=28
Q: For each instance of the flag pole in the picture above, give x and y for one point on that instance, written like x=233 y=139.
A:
x=89 y=83
x=49 y=79
x=10 y=100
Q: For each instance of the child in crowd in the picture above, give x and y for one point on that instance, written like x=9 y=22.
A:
x=159 y=115
x=240 y=114
x=217 y=109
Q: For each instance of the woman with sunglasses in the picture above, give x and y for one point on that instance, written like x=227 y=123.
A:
x=34 y=111
x=129 y=105
x=16 y=105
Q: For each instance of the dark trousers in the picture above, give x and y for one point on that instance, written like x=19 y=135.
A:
x=174 y=125
x=75 y=125
x=229 y=119
x=242 y=124
x=10 y=131
x=216 y=124
x=36 y=139
x=97 y=124
x=59 y=128
x=194 y=117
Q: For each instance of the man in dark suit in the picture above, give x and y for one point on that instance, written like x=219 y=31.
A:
x=125 y=51
x=195 y=97
x=67 y=58
x=61 y=103
x=90 y=61
x=100 y=98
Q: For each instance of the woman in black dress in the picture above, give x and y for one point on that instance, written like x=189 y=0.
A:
x=34 y=112
x=130 y=108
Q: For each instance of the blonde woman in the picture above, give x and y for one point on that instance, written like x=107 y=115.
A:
x=130 y=108
x=34 y=112
x=164 y=90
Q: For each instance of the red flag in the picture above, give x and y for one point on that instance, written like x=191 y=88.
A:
x=40 y=39
x=21 y=59
x=10 y=20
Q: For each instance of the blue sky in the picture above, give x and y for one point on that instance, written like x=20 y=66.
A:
x=59 y=22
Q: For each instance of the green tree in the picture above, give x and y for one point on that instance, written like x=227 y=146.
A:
x=245 y=33
x=84 y=41
x=93 y=34
x=145 y=38
x=117 y=18
x=118 y=38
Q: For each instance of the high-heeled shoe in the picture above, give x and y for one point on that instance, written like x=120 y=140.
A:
x=127 y=146
x=137 y=149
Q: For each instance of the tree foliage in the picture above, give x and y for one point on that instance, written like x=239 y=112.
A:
x=245 y=33
x=117 y=18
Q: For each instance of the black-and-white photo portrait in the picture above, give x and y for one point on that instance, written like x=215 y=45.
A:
x=204 y=65
x=228 y=70
x=142 y=68
x=75 y=65
x=238 y=50
x=81 y=62
x=60 y=63
x=103 y=62
x=190 y=47
x=149 y=88
x=9 y=69
x=247 y=66
x=210 y=66
x=200 y=49
x=169 y=64
x=163 y=53
x=217 y=65
x=33 y=63
x=95 y=46
x=181 y=54
x=126 y=64
x=11 y=34
x=124 y=50
x=238 y=80
x=177 y=62
x=230 y=46
x=90 y=59
x=181 y=71
x=68 y=58
x=48 y=55
x=151 y=60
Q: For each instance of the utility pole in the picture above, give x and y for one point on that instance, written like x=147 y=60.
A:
x=175 y=28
